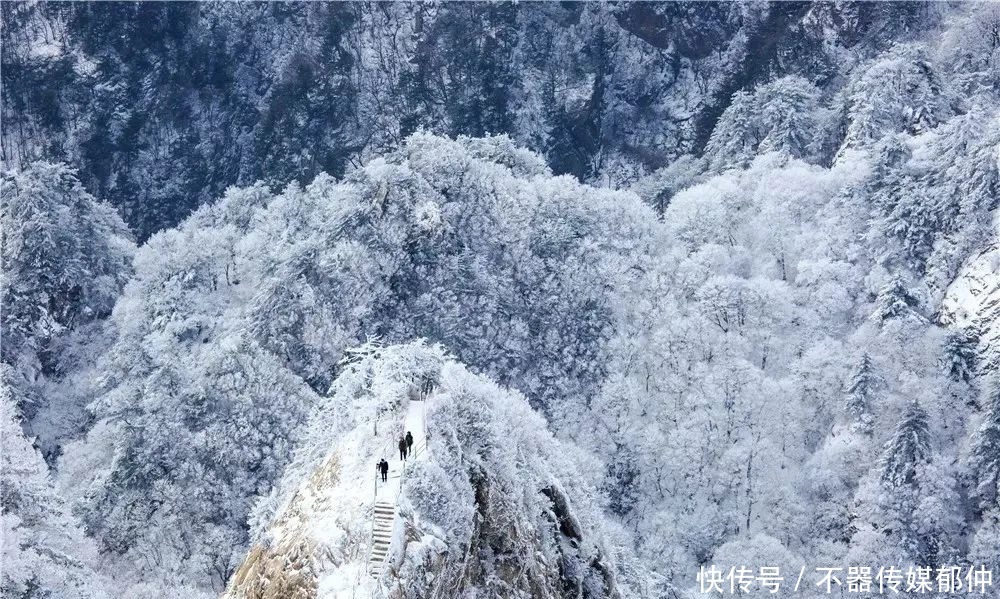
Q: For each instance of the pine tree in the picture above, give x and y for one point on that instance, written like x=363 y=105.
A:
x=861 y=395
x=788 y=108
x=896 y=92
x=918 y=499
x=984 y=459
x=732 y=143
x=908 y=448
x=895 y=302
x=959 y=356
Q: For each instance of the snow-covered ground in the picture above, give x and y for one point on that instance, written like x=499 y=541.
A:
x=333 y=515
x=385 y=532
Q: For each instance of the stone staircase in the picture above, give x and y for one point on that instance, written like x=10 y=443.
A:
x=385 y=519
x=387 y=493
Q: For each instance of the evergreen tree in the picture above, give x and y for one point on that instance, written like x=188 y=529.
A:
x=959 y=356
x=984 y=458
x=788 y=108
x=732 y=143
x=65 y=256
x=895 y=301
x=918 y=500
x=907 y=450
x=898 y=92
x=861 y=395
x=780 y=116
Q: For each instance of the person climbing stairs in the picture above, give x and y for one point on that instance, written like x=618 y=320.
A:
x=387 y=493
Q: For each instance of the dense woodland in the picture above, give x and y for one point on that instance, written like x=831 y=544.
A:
x=722 y=249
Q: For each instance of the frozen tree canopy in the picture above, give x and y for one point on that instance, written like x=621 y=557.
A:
x=658 y=287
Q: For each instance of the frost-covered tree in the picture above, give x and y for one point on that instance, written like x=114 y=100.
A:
x=959 y=355
x=235 y=320
x=907 y=449
x=933 y=194
x=899 y=91
x=44 y=552
x=983 y=549
x=66 y=257
x=917 y=501
x=970 y=47
x=788 y=109
x=733 y=141
x=984 y=456
x=861 y=394
x=780 y=116
x=188 y=447
x=895 y=301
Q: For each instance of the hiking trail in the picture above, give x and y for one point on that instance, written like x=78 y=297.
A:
x=384 y=521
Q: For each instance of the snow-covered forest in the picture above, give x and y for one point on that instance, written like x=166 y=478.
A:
x=695 y=284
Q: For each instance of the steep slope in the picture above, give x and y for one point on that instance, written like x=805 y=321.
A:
x=162 y=106
x=43 y=552
x=972 y=301
x=493 y=507
x=233 y=321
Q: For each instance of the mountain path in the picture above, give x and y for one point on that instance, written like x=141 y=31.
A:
x=387 y=493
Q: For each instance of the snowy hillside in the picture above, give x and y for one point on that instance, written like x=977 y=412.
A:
x=490 y=505
x=695 y=283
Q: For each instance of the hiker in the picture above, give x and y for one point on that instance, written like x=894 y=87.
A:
x=409 y=442
x=383 y=467
x=402 y=448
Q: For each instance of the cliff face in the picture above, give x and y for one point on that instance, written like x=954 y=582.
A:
x=491 y=505
x=972 y=301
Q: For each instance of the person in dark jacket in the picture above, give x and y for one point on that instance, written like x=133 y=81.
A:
x=383 y=468
x=402 y=448
x=409 y=442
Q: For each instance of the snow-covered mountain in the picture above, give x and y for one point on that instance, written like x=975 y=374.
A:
x=490 y=504
x=738 y=258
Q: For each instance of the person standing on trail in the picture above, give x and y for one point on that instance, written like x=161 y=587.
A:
x=402 y=448
x=409 y=442
x=383 y=468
